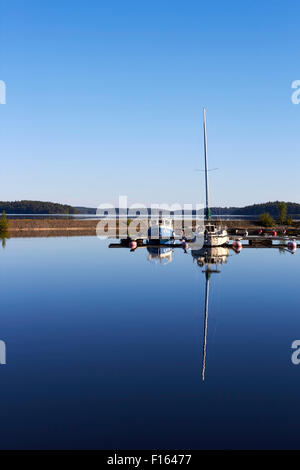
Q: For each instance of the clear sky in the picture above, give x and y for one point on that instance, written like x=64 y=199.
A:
x=105 y=98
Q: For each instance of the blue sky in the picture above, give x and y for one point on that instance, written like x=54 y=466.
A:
x=105 y=98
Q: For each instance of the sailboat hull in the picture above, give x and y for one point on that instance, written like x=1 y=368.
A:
x=216 y=240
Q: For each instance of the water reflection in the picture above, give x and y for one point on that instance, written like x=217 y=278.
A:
x=159 y=249
x=133 y=342
x=207 y=256
x=3 y=237
x=210 y=259
x=163 y=255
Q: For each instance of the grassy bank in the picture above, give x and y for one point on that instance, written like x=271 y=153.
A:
x=68 y=227
x=19 y=225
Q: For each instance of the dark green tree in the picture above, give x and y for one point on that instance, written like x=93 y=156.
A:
x=4 y=234
x=282 y=212
x=266 y=220
x=3 y=223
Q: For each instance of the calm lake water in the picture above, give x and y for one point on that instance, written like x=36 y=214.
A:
x=105 y=348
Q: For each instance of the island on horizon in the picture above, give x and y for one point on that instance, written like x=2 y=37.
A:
x=27 y=207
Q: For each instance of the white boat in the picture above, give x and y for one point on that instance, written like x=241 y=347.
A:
x=213 y=235
x=160 y=230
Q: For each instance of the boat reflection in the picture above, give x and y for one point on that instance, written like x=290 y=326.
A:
x=211 y=255
x=162 y=255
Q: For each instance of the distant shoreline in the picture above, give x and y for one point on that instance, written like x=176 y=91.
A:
x=50 y=209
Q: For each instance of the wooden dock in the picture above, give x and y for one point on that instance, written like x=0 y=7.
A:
x=254 y=241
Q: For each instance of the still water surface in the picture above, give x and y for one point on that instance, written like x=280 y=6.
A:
x=105 y=348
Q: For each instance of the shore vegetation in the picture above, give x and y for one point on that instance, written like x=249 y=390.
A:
x=266 y=220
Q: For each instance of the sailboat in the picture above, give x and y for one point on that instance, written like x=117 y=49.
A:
x=213 y=235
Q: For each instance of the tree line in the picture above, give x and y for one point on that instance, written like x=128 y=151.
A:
x=292 y=208
x=35 y=207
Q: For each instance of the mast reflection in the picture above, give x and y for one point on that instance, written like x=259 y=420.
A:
x=210 y=259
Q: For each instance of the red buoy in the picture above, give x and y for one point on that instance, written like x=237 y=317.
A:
x=133 y=244
x=260 y=232
x=292 y=245
x=237 y=246
x=274 y=233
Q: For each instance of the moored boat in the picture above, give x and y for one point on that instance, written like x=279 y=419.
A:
x=160 y=230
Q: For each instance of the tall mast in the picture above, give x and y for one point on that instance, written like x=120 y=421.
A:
x=207 y=210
